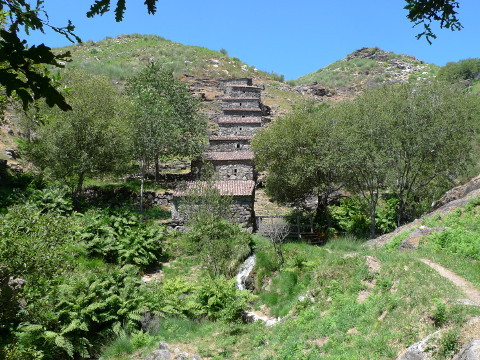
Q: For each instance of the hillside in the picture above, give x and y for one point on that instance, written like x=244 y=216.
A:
x=369 y=67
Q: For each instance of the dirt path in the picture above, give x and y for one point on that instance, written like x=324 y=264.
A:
x=472 y=293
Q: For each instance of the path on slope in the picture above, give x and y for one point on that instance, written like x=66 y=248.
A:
x=472 y=293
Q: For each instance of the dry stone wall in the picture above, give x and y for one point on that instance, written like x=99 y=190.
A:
x=229 y=145
x=234 y=170
x=239 y=129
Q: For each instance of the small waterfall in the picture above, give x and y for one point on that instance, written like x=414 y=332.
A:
x=244 y=272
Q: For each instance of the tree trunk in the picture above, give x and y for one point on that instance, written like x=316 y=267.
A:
x=321 y=213
x=157 y=169
x=372 y=221
x=78 y=189
x=142 y=179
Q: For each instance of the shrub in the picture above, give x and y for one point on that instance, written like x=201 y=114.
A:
x=439 y=313
x=221 y=244
x=214 y=298
x=120 y=237
x=34 y=245
x=350 y=216
x=87 y=304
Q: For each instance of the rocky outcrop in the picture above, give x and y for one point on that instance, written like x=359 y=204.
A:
x=458 y=192
x=423 y=349
x=469 y=351
x=453 y=199
x=165 y=353
x=413 y=240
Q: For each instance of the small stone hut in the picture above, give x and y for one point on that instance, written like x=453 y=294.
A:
x=241 y=191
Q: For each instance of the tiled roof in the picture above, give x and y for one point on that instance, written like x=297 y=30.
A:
x=225 y=187
x=240 y=120
x=228 y=155
x=230 y=138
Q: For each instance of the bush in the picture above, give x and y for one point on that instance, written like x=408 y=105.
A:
x=73 y=316
x=220 y=244
x=350 y=216
x=214 y=298
x=34 y=245
x=121 y=238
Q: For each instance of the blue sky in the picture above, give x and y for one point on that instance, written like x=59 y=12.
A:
x=289 y=37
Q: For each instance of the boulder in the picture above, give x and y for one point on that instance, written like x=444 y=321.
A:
x=469 y=351
x=162 y=345
x=413 y=240
x=420 y=350
x=160 y=355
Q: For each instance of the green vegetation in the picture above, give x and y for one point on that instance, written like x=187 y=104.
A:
x=81 y=283
x=88 y=140
x=467 y=69
x=121 y=57
x=166 y=121
x=368 y=67
x=401 y=302
x=396 y=147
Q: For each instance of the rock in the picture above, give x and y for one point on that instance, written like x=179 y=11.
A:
x=12 y=153
x=195 y=357
x=159 y=355
x=419 y=350
x=162 y=345
x=469 y=351
x=458 y=192
x=181 y=356
x=413 y=240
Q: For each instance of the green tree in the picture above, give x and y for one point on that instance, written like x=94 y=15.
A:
x=166 y=122
x=444 y=12
x=408 y=140
x=302 y=154
x=89 y=140
x=466 y=69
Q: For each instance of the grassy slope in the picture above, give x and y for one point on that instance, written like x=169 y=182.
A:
x=404 y=301
x=370 y=67
x=120 y=57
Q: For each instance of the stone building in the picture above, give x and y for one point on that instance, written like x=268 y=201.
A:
x=241 y=191
x=229 y=150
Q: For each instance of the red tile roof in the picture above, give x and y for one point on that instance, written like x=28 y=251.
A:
x=225 y=187
x=230 y=138
x=228 y=155
x=240 y=120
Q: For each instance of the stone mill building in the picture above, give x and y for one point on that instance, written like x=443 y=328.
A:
x=229 y=152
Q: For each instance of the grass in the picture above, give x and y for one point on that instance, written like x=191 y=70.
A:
x=362 y=70
x=109 y=183
x=119 y=58
x=404 y=301
x=400 y=309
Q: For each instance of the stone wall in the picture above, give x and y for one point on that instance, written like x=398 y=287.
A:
x=243 y=92
x=247 y=113
x=238 y=129
x=229 y=145
x=239 y=81
x=151 y=198
x=234 y=170
x=242 y=210
x=237 y=103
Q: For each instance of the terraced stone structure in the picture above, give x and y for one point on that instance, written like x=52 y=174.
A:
x=229 y=150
